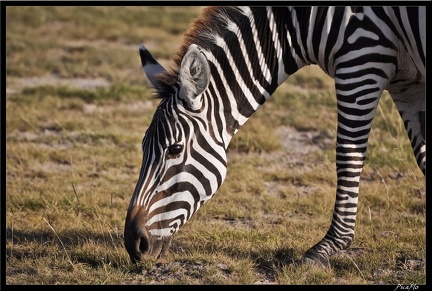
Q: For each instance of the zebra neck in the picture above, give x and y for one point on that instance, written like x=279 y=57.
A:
x=249 y=56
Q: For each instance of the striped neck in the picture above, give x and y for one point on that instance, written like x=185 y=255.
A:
x=246 y=64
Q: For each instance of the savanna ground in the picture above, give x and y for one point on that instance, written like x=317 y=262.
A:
x=77 y=107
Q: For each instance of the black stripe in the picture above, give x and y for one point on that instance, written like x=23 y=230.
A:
x=303 y=16
x=361 y=73
x=332 y=37
x=320 y=19
x=283 y=26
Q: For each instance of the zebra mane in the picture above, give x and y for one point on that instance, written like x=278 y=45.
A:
x=204 y=30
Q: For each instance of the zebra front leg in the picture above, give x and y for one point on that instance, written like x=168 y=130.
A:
x=354 y=126
x=341 y=231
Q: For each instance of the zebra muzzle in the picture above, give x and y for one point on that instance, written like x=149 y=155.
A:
x=139 y=243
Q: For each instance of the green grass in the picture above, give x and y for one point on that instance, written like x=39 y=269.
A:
x=73 y=156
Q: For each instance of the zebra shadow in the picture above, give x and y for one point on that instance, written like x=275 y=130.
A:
x=268 y=263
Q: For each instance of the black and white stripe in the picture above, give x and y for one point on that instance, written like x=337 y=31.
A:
x=231 y=62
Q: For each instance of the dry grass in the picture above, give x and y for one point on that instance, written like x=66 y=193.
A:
x=77 y=107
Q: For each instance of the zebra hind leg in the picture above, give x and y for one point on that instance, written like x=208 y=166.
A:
x=411 y=105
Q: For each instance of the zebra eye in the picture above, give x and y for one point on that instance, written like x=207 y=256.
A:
x=175 y=149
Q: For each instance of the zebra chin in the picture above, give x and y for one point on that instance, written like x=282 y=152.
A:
x=139 y=243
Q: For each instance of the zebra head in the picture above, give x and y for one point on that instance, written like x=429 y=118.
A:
x=184 y=157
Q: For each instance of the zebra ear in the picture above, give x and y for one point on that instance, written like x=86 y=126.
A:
x=194 y=77
x=150 y=65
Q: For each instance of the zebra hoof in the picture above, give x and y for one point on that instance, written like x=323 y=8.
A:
x=314 y=260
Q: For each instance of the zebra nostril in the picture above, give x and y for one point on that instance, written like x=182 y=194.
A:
x=138 y=246
x=143 y=245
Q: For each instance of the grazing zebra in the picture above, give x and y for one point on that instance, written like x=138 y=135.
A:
x=231 y=61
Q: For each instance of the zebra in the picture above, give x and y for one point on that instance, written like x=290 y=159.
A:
x=230 y=62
